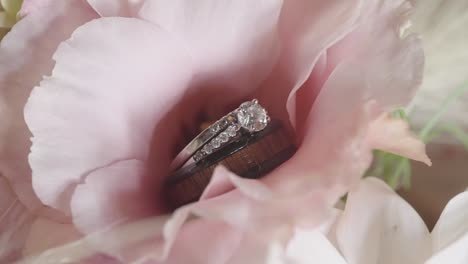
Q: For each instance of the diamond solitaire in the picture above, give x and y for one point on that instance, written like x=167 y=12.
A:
x=252 y=116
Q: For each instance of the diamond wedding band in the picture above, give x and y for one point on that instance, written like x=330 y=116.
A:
x=250 y=117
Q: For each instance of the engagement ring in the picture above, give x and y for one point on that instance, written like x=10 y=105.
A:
x=249 y=118
x=246 y=141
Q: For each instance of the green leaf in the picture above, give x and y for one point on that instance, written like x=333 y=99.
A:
x=384 y=168
x=401 y=114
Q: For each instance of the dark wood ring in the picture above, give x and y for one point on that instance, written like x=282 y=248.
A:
x=250 y=157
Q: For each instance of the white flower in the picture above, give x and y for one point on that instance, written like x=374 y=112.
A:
x=378 y=226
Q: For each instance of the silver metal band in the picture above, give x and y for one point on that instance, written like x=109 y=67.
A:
x=249 y=116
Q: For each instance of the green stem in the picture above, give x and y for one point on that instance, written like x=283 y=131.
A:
x=444 y=107
x=423 y=135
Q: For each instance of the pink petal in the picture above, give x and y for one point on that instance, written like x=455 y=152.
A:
x=30 y=6
x=113 y=82
x=15 y=221
x=394 y=136
x=101 y=246
x=372 y=69
x=193 y=245
x=25 y=57
x=257 y=200
x=45 y=234
x=307 y=29
x=226 y=218
x=264 y=246
x=219 y=184
x=218 y=247
x=246 y=239
x=223 y=181
x=242 y=224
x=113 y=195
x=391 y=60
x=119 y=8
x=250 y=208
x=233 y=44
x=261 y=223
x=334 y=153
x=452 y=224
x=377 y=226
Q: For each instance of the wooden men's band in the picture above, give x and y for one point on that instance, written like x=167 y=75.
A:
x=251 y=157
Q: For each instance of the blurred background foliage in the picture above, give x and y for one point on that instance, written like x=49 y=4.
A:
x=438 y=113
x=8 y=15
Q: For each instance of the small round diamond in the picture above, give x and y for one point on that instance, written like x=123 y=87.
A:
x=216 y=127
x=224 y=137
x=208 y=148
x=198 y=156
x=216 y=142
x=219 y=125
x=252 y=117
x=231 y=131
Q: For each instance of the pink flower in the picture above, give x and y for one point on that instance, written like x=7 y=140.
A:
x=107 y=90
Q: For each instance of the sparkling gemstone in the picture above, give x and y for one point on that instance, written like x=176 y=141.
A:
x=231 y=131
x=198 y=156
x=208 y=148
x=216 y=127
x=216 y=142
x=224 y=137
x=221 y=124
x=252 y=117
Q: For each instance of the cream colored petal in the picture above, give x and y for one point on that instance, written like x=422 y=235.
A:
x=378 y=226
x=443 y=28
x=394 y=136
x=456 y=253
x=452 y=224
